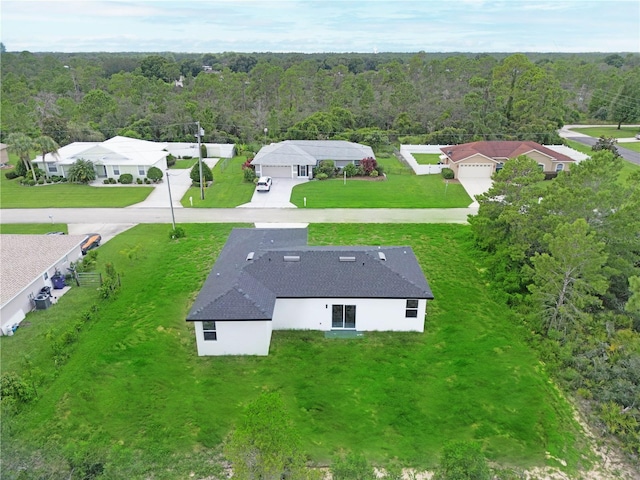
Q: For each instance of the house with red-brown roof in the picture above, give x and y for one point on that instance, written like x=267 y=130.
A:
x=483 y=159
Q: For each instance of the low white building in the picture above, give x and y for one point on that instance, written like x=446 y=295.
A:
x=270 y=279
x=110 y=158
x=27 y=263
x=119 y=155
x=296 y=158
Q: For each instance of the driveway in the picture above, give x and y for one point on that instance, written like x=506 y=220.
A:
x=476 y=186
x=277 y=197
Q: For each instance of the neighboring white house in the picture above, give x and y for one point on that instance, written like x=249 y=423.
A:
x=111 y=158
x=4 y=153
x=27 y=263
x=119 y=155
x=270 y=279
x=296 y=158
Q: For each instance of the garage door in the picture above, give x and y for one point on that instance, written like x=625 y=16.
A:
x=277 y=172
x=475 y=170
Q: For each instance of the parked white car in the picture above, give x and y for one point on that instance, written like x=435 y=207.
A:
x=264 y=184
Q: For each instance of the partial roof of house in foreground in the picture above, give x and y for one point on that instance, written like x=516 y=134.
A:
x=256 y=266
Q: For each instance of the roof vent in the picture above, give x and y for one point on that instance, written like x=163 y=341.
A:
x=291 y=258
x=382 y=256
x=250 y=256
x=347 y=259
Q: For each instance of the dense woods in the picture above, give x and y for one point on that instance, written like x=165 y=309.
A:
x=374 y=99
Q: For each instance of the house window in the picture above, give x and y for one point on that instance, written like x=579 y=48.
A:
x=302 y=171
x=559 y=167
x=141 y=171
x=52 y=168
x=116 y=170
x=343 y=316
x=541 y=167
x=209 y=330
x=412 y=308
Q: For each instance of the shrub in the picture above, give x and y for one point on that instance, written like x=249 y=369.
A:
x=350 y=170
x=82 y=171
x=48 y=180
x=126 y=178
x=462 y=460
x=177 y=232
x=368 y=165
x=106 y=181
x=187 y=157
x=380 y=170
x=249 y=174
x=11 y=175
x=374 y=173
x=139 y=181
x=171 y=160
x=322 y=176
x=352 y=466
x=40 y=181
x=447 y=173
x=64 y=179
x=154 y=174
x=203 y=151
x=147 y=181
x=31 y=182
x=206 y=173
x=327 y=167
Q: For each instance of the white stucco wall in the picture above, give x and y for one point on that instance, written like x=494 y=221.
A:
x=371 y=314
x=236 y=338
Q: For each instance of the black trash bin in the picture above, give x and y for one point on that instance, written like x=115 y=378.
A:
x=58 y=282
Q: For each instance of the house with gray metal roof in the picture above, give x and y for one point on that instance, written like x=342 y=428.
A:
x=271 y=279
x=296 y=158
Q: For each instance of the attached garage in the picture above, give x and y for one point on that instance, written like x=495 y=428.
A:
x=475 y=170
x=276 y=172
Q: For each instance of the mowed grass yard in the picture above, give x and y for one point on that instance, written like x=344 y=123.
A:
x=229 y=189
x=66 y=195
x=627 y=167
x=427 y=158
x=608 y=131
x=401 y=189
x=135 y=396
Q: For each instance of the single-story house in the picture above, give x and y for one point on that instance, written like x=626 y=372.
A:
x=270 y=279
x=27 y=263
x=111 y=158
x=482 y=159
x=296 y=158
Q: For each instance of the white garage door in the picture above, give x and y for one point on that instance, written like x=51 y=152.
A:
x=277 y=172
x=475 y=170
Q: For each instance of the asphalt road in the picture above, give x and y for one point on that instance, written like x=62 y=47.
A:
x=132 y=215
x=630 y=155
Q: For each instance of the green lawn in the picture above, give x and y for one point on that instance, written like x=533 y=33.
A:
x=229 y=188
x=182 y=164
x=635 y=146
x=134 y=392
x=33 y=228
x=627 y=167
x=65 y=195
x=427 y=158
x=597 y=132
x=402 y=189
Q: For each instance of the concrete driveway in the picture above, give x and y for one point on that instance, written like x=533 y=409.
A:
x=277 y=197
x=476 y=186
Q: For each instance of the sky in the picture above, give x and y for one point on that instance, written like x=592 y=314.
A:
x=309 y=26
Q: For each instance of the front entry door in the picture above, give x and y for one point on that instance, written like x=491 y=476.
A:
x=302 y=171
x=343 y=316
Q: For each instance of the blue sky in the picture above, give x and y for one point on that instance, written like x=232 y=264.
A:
x=321 y=26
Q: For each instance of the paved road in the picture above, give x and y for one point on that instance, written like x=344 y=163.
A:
x=568 y=133
x=133 y=215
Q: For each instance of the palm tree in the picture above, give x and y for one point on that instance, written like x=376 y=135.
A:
x=46 y=144
x=21 y=145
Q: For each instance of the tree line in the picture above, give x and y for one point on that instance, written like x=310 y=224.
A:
x=374 y=99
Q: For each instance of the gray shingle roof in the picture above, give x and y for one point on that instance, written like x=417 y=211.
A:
x=23 y=258
x=241 y=289
x=310 y=152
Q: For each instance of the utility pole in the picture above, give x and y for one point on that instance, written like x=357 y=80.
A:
x=199 y=135
x=173 y=218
